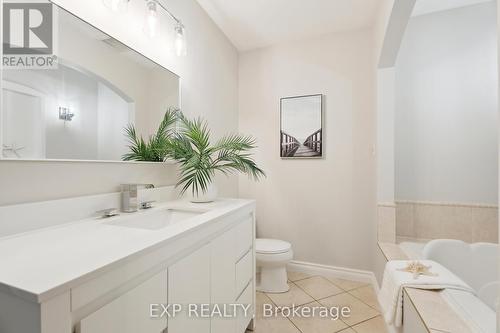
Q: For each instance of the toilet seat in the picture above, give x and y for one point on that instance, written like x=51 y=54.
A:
x=271 y=246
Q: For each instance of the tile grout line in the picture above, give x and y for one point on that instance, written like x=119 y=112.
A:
x=364 y=321
x=298 y=329
x=343 y=292
x=314 y=300
x=304 y=278
x=342 y=289
x=317 y=300
x=275 y=305
x=364 y=302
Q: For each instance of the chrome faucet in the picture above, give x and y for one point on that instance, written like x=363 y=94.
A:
x=129 y=196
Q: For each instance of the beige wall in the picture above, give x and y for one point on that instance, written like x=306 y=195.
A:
x=209 y=84
x=498 y=57
x=325 y=207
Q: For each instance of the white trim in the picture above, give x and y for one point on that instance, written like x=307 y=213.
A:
x=387 y=204
x=444 y=203
x=168 y=162
x=335 y=272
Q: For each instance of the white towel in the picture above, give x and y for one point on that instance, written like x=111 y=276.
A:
x=390 y=296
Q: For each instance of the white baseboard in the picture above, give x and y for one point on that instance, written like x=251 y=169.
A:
x=341 y=273
x=334 y=272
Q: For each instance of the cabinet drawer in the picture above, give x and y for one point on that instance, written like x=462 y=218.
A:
x=130 y=313
x=244 y=272
x=242 y=318
x=244 y=237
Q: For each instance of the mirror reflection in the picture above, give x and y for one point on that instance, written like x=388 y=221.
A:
x=79 y=110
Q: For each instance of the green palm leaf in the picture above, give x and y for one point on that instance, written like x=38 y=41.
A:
x=190 y=147
x=199 y=160
x=156 y=149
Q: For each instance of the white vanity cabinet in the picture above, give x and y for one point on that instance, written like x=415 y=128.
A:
x=218 y=275
x=209 y=262
x=189 y=284
x=130 y=313
x=222 y=276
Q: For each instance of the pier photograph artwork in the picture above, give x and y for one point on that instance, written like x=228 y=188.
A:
x=301 y=134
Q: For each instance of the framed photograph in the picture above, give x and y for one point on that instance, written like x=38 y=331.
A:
x=301 y=134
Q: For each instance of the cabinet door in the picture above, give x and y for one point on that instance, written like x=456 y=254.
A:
x=223 y=279
x=189 y=283
x=243 y=318
x=130 y=313
x=244 y=237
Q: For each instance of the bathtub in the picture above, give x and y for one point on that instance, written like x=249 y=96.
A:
x=477 y=265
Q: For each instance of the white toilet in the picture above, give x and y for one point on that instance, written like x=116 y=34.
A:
x=272 y=256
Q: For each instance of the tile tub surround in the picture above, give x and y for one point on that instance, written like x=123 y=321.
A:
x=386 y=219
x=316 y=290
x=430 y=220
x=392 y=251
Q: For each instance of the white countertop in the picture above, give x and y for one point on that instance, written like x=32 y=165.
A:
x=53 y=260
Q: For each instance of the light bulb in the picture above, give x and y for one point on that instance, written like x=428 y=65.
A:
x=116 y=5
x=180 y=40
x=151 y=18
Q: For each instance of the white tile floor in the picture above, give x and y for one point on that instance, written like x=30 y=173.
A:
x=306 y=290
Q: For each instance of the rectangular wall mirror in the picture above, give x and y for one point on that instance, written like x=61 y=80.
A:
x=79 y=110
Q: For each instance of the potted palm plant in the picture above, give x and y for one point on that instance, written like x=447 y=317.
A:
x=199 y=160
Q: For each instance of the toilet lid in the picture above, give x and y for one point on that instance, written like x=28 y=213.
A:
x=271 y=246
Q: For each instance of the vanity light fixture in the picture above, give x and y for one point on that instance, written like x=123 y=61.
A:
x=65 y=114
x=116 y=5
x=151 y=21
x=180 y=40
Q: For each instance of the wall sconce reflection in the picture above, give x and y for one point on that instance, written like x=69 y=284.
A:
x=65 y=114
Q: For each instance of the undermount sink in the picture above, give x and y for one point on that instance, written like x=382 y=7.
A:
x=155 y=220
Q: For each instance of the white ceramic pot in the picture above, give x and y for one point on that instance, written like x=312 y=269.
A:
x=209 y=196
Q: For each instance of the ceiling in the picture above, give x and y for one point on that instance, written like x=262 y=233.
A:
x=423 y=7
x=251 y=24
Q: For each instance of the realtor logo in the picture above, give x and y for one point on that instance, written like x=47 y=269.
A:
x=28 y=35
